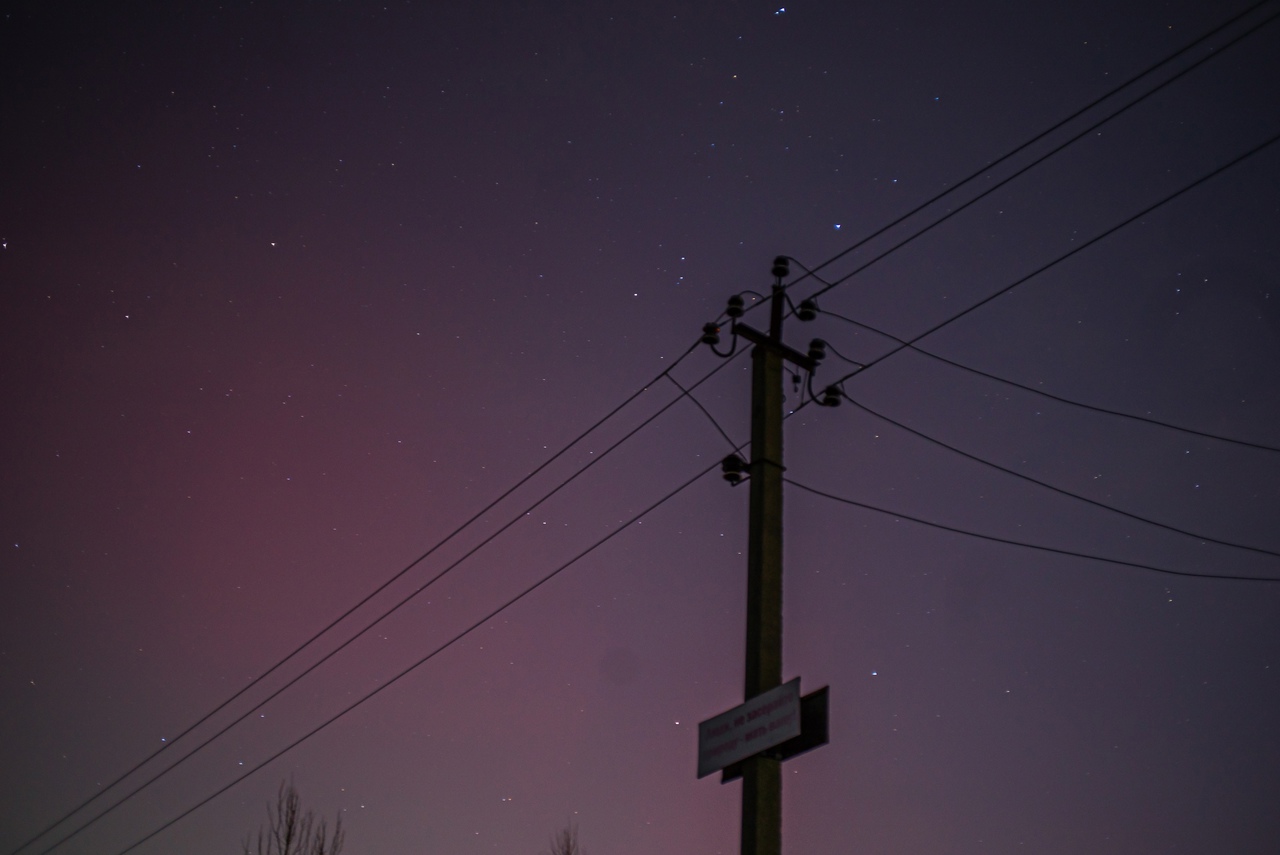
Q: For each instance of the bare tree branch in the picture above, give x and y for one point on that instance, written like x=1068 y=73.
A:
x=291 y=831
x=565 y=842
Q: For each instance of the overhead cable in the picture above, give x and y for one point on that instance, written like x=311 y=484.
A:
x=488 y=617
x=1054 y=397
x=689 y=394
x=388 y=612
x=1060 y=490
x=1221 y=577
x=987 y=167
x=951 y=213
x=1085 y=245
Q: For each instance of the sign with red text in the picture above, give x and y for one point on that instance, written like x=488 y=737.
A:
x=766 y=720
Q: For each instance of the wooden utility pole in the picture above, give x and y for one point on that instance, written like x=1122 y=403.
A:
x=762 y=774
x=751 y=741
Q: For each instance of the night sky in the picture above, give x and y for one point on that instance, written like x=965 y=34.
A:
x=289 y=295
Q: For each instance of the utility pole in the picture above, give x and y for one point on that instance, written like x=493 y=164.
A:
x=752 y=740
x=762 y=775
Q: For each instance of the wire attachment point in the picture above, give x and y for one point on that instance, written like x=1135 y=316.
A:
x=733 y=468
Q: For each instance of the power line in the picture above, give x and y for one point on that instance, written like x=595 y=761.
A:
x=1060 y=490
x=688 y=394
x=458 y=530
x=338 y=620
x=1090 y=242
x=1028 y=143
x=1050 y=395
x=1134 y=564
x=987 y=168
x=488 y=617
x=1218 y=52
x=387 y=613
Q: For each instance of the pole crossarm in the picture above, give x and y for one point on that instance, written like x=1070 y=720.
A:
x=790 y=354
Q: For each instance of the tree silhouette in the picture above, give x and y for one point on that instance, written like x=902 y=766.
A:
x=565 y=841
x=291 y=831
